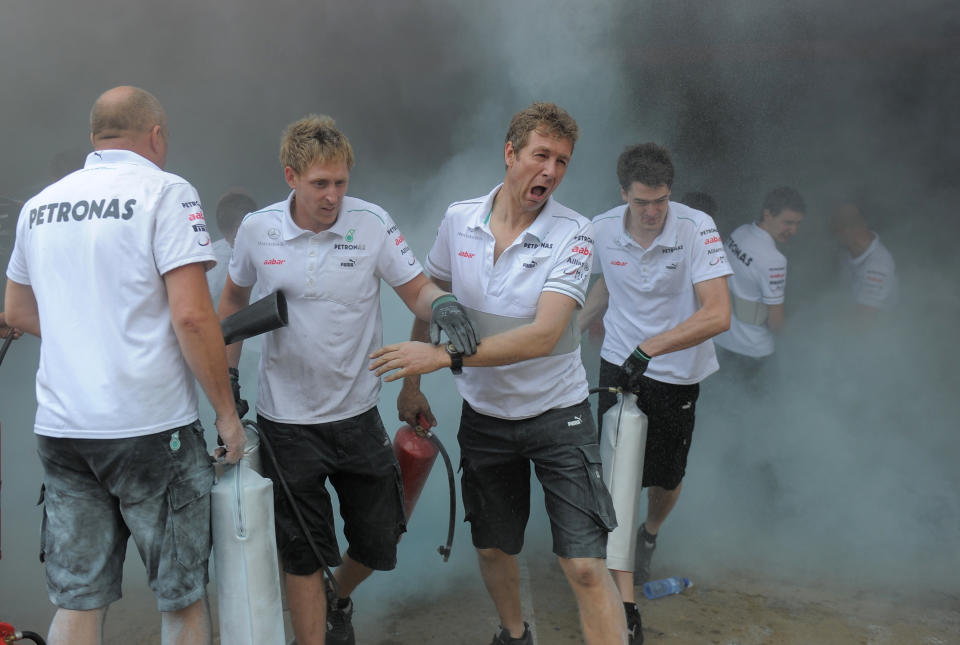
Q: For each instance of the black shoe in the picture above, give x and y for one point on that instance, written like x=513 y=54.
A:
x=634 y=624
x=339 y=613
x=502 y=637
x=641 y=571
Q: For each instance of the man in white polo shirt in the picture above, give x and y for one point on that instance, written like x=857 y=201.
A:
x=317 y=402
x=868 y=265
x=664 y=289
x=109 y=262
x=520 y=262
x=759 y=281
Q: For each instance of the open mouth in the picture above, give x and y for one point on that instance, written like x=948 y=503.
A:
x=538 y=191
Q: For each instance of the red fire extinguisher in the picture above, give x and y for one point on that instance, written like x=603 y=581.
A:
x=416 y=449
x=10 y=635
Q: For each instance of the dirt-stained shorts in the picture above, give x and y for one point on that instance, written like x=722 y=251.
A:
x=99 y=492
x=495 y=456
x=671 y=411
x=357 y=456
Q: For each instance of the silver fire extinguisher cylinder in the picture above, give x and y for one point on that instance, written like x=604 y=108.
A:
x=622 y=444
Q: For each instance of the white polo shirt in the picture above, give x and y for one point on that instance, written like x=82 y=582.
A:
x=553 y=254
x=314 y=370
x=873 y=277
x=759 y=276
x=652 y=290
x=94 y=247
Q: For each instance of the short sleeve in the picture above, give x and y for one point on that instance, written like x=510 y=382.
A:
x=708 y=257
x=438 y=260
x=773 y=281
x=242 y=271
x=396 y=263
x=877 y=288
x=180 y=230
x=570 y=274
x=17 y=269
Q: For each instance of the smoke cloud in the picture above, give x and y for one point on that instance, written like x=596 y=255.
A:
x=845 y=470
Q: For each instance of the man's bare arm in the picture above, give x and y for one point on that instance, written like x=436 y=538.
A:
x=232 y=300
x=710 y=319
x=776 y=319
x=201 y=341
x=20 y=309
x=532 y=340
x=597 y=300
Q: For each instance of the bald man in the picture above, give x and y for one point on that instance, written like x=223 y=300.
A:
x=109 y=263
x=868 y=265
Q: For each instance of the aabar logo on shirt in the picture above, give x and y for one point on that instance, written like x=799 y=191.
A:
x=398 y=240
x=466 y=254
x=711 y=240
x=582 y=250
x=618 y=263
x=274 y=261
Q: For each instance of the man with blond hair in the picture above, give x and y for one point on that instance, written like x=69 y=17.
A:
x=317 y=404
x=109 y=263
x=520 y=262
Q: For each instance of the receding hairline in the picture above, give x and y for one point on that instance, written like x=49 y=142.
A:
x=125 y=110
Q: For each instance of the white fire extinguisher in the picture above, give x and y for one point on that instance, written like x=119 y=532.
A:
x=622 y=445
x=245 y=552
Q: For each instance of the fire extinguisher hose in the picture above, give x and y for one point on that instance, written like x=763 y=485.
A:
x=296 y=511
x=444 y=550
x=6 y=346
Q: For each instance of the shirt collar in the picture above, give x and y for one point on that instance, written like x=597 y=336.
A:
x=667 y=236
x=291 y=230
x=103 y=157
x=763 y=233
x=866 y=253
x=538 y=229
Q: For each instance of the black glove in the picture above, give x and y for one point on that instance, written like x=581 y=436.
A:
x=632 y=369
x=450 y=316
x=242 y=406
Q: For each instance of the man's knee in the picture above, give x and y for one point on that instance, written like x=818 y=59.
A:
x=584 y=572
x=493 y=556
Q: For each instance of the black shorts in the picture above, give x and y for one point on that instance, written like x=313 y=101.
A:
x=357 y=456
x=495 y=456
x=670 y=411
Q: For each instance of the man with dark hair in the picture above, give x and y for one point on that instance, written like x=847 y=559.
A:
x=317 y=404
x=759 y=280
x=520 y=263
x=664 y=290
x=112 y=255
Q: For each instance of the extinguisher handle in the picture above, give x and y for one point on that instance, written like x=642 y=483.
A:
x=423 y=426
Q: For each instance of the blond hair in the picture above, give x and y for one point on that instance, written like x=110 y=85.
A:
x=311 y=139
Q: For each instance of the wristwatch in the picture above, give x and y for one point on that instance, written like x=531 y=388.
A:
x=456 y=359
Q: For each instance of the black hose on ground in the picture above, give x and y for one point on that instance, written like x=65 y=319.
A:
x=34 y=636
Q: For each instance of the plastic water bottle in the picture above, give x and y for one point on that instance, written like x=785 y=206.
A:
x=665 y=587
